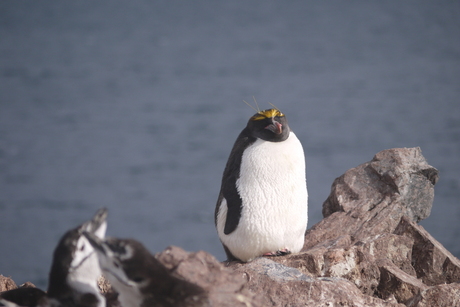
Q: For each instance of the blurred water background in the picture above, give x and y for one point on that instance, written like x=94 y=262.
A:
x=135 y=106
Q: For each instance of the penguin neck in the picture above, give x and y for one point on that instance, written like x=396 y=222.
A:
x=247 y=135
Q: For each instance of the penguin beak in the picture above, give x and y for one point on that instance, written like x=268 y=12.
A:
x=275 y=127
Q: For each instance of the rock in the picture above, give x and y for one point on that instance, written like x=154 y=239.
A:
x=398 y=249
x=281 y=285
x=103 y=284
x=371 y=199
x=396 y=283
x=447 y=295
x=432 y=262
x=357 y=223
x=220 y=285
x=111 y=296
x=403 y=175
x=6 y=283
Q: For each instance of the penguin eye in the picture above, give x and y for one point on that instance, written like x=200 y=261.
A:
x=82 y=248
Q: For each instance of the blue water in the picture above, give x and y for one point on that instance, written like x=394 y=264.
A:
x=135 y=106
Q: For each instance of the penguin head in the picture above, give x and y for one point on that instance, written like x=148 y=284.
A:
x=74 y=249
x=269 y=125
x=80 y=248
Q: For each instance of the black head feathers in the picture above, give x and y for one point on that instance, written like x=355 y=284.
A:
x=269 y=125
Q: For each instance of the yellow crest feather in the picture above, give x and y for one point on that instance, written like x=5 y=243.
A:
x=267 y=114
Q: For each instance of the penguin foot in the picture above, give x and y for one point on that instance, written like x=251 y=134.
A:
x=281 y=252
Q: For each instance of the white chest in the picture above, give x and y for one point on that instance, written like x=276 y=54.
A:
x=272 y=170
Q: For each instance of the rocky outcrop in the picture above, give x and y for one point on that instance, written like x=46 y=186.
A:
x=370 y=199
x=444 y=295
x=367 y=251
x=6 y=283
x=433 y=264
x=220 y=286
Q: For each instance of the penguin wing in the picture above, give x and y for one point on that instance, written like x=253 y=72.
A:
x=234 y=206
x=228 y=189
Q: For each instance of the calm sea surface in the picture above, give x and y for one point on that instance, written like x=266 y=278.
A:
x=135 y=106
